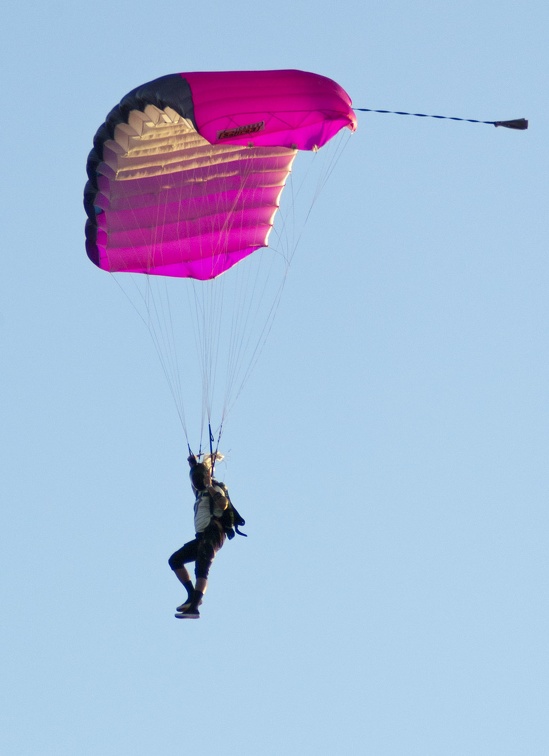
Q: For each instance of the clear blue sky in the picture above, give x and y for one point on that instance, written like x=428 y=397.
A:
x=389 y=453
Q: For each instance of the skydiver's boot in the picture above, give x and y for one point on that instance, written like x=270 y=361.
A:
x=190 y=611
x=184 y=607
x=190 y=590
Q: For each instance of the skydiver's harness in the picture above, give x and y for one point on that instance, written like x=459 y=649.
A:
x=230 y=520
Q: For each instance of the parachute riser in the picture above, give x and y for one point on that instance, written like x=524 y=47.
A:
x=212 y=457
x=213 y=452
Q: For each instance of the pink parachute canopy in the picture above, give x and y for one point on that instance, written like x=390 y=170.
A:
x=187 y=171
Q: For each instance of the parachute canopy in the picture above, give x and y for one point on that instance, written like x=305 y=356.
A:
x=186 y=172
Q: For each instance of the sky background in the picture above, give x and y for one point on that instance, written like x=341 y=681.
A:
x=389 y=453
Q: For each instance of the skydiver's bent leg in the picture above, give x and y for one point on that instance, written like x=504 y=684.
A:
x=184 y=555
x=177 y=563
x=209 y=544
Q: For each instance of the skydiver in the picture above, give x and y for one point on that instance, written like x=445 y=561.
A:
x=210 y=502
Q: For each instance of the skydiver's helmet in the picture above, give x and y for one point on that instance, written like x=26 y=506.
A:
x=199 y=474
